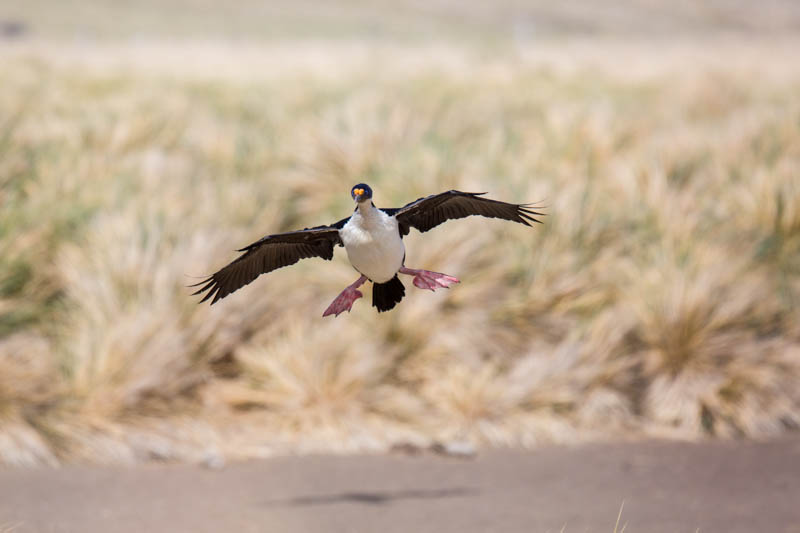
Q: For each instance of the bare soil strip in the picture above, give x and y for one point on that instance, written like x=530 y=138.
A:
x=665 y=487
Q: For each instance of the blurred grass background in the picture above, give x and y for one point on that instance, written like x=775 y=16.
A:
x=140 y=143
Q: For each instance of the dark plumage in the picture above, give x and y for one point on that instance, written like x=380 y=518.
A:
x=268 y=254
x=386 y=295
x=428 y=212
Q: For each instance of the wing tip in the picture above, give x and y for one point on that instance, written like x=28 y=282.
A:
x=530 y=211
x=210 y=288
x=202 y=282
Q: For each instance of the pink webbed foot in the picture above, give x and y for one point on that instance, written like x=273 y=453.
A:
x=425 y=279
x=344 y=302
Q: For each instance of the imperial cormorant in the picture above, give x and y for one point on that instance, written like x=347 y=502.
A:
x=373 y=239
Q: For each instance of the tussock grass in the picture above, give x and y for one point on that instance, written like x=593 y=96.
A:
x=659 y=297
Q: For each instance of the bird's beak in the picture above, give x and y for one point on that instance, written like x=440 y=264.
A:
x=358 y=194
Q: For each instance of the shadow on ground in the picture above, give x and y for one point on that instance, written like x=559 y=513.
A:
x=374 y=497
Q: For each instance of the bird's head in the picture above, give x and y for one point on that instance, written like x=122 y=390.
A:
x=361 y=193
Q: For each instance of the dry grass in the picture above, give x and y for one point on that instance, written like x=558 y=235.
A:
x=400 y=20
x=659 y=297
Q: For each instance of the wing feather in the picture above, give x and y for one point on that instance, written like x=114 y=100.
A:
x=427 y=213
x=268 y=254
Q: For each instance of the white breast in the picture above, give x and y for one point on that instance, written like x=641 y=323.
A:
x=373 y=244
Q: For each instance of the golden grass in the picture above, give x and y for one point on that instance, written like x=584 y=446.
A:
x=660 y=297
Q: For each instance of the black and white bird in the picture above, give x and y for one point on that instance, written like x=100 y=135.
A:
x=373 y=239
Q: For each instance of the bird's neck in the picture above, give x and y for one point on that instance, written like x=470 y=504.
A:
x=367 y=209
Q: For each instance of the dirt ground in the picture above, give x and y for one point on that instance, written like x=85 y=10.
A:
x=665 y=486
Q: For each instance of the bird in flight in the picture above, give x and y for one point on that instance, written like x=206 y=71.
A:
x=373 y=239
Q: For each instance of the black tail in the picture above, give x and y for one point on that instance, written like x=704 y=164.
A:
x=386 y=295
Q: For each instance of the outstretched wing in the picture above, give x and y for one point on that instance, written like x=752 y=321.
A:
x=429 y=212
x=267 y=254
